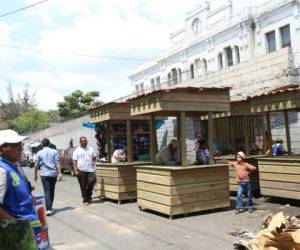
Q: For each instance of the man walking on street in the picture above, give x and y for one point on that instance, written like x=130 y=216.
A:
x=84 y=161
x=47 y=161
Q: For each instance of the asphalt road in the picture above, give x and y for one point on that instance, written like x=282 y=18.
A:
x=107 y=225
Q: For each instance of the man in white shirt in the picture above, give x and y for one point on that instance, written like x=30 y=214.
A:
x=169 y=155
x=118 y=156
x=84 y=162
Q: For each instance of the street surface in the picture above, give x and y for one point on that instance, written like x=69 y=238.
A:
x=107 y=225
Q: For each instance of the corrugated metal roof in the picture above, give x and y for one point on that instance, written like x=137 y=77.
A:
x=294 y=88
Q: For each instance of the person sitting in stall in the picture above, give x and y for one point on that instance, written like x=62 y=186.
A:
x=168 y=155
x=280 y=148
x=202 y=153
x=277 y=147
x=118 y=156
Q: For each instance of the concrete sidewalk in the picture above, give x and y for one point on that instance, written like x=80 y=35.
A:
x=107 y=225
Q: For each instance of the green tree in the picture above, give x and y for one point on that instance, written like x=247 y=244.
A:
x=30 y=120
x=15 y=106
x=77 y=102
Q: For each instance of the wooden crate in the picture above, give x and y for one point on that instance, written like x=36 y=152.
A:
x=182 y=190
x=117 y=181
x=232 y=177
x=280 y=177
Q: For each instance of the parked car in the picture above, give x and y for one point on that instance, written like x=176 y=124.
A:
x=66 y=162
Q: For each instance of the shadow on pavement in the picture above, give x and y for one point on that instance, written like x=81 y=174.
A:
x=59 y=210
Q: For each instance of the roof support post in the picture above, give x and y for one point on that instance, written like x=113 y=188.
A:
x=211 y=138
x=182 y=138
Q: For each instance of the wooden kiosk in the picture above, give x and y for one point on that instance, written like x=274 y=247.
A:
x=175 y=190
x=117 y=181
x=279 y=175
x=238 y=123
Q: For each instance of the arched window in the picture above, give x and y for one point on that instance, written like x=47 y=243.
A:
x=237 y=54
x=229 y=56
x=169 y=79
x=179 y=72
x=192 y=71
x=204 y=66
x=174 y=76
x=220 y=61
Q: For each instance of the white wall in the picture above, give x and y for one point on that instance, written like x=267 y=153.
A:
x=61 y=134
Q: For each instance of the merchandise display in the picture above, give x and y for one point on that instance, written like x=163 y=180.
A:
x=141 y=140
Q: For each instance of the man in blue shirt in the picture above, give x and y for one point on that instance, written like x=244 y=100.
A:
x=47 y=161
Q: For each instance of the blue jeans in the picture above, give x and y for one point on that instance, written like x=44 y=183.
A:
x=49 y=189
x=244 y=187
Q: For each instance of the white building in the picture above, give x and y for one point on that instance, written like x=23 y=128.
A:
x=220 y=35
x=252 y=46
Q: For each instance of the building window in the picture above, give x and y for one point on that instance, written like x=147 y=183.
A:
x=141 y=86
x=204 y=65
x=220 y=61
x=157 y=80
x=152 y=83
x=285 y=36
x=179 y=75
x=237 y=54
x=192 y=71
x=271 y=41
x=229 y=56
x=136 y=88
x=174 y=76
x=169 y=79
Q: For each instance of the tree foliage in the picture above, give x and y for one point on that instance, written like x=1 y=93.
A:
x=76 y=102
x=15 y=105
x=31 y=120
x=19 y=112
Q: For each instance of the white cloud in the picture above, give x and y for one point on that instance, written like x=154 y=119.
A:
x=110 y=86
x=47 y=98
x=117 y=28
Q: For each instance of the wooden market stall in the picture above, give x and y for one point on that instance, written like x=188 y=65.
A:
x=175 y=190
x=117 y=181
x=279 y=175
x=231 y=127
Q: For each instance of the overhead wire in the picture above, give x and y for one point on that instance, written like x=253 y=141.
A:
x=61 y=52
x=24 y=8
x=72 y=54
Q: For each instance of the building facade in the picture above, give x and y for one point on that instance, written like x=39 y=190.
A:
x=252 y=46
x=220 y=36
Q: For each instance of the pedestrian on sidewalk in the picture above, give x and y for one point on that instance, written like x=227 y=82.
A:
x=243 y=170
x=47 y=162
x=84 y=162
x=15 y=190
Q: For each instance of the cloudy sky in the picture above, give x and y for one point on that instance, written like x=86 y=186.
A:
x=128 y=29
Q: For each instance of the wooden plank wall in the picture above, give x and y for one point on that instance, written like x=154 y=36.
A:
x=116 y=183
x=280 y=178
x=174 y=192
x=228 y=129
